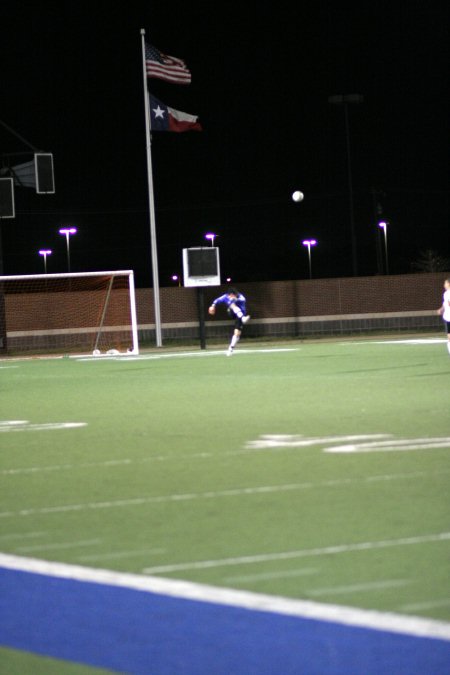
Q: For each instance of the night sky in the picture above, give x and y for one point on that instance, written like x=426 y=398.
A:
x=71 y=84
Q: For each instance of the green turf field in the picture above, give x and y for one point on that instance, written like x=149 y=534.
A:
x=239 y=472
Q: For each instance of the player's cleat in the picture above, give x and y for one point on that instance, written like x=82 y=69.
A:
x=229 y=351
x=246 y=318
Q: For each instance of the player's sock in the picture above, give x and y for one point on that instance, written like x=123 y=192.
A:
x=234 y=341
x=448 y=346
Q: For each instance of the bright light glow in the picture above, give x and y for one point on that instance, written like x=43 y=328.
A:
x=174 y=277
x=211 y=236
x=383 y=224
x=68 y=231
x=44 y=252
x=309 y=243
x=297 y=196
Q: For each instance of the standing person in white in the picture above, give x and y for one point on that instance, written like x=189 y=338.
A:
x=444 y=310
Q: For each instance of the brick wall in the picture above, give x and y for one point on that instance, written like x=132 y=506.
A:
x=279 y=308
x=305 y=306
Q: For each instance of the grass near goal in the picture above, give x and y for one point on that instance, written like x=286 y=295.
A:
x=92 y=312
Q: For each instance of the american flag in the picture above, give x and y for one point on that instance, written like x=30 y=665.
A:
x=165 y=67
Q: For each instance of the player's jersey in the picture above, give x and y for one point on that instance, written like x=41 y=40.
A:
x=446 y=303
x=239 y=301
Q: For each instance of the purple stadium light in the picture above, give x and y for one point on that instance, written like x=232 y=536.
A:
x=68 y=231
x=309 y=243
x=211 y=236
x=383 y=225
x=45 y=252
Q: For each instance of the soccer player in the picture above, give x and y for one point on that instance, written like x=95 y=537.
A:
x=444 y=310
x=236 y=308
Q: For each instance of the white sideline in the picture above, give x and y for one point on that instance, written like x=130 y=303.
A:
x=186 y=590
x=172 y=355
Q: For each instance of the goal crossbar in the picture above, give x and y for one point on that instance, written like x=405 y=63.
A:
x=66 y=275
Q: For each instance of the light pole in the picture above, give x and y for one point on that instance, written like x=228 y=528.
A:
x=176 y=279
x=68 y=231
x=211 y=236
x=309 y=243
x=383 y=224
x=345 y=100
x=45 y=252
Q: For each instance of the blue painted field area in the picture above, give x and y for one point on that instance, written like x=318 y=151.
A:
x=142 y=632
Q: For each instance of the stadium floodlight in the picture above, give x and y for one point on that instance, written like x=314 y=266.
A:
x=383 y=225
x=309 y=243
x=211 y=236
x=44 y=252
x=67 y=231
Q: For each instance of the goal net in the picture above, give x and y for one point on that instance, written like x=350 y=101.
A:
x=91 y=312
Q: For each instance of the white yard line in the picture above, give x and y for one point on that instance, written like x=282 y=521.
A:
x=405 y=444
x=373 y=443
x=60 y=546
x=267 y=441
x=22 y=535
x=396 y=623
x=212 y=494
x=67 y=467
x=120 y=554
x=358 y=588
x=302 y=553
x=23 y=425
x=263 y=576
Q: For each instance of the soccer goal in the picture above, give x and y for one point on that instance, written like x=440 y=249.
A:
x=88 y=312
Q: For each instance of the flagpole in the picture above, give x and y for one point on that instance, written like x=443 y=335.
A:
x=151 y=203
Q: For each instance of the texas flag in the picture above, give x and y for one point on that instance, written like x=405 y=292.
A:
x=163 y=118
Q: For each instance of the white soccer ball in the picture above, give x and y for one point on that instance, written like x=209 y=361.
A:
x=297 y=196
x=96 y=352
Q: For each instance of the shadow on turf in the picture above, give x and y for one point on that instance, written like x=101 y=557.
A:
x=365 y=370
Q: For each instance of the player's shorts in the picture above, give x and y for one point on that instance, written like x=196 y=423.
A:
x=237 y=322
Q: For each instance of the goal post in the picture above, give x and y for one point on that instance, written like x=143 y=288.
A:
x=85 y=312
